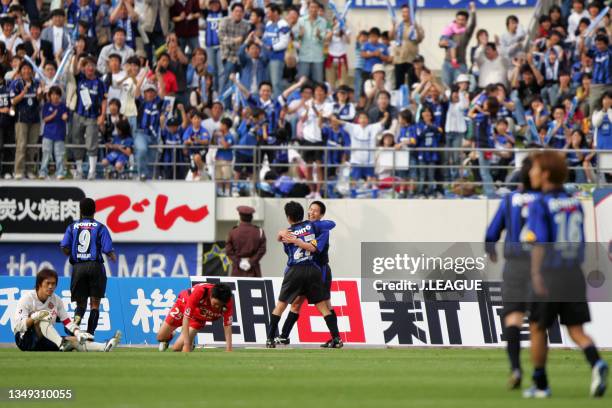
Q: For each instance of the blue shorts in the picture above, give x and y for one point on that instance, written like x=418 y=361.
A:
x=116 y=157
x=361 y=172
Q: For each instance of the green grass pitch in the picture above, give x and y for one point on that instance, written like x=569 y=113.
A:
x=292 y=378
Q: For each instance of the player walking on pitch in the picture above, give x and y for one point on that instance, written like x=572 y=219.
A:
x=555 y=227
x=316 y=211
x=511 y=216
x=303 y=276
x=84 y=242
x=204 y=302
x=36 y=314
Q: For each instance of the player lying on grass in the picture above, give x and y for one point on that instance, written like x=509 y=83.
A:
x=204 y=302
x=316 y=211
x=36 y=314
x=303 y=276
x=556 y=229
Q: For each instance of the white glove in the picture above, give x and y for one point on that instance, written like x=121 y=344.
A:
x=244 y=264
x=40 y=315
x=82 y=337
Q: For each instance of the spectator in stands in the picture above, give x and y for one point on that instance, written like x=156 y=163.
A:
x=147 y=131
x=26 y=94
x=118 y=47
x=213 y=14
x=311 y=32
x=463 y=19
x=512 y=40
x=455 y=127
x=56 y=33
x=408 y=36
x=119 y=149
x=578 y=13
x=186 y=15
x=336 y=64
x=602 y=70
x=492 y=67
x=602 y=124
x=124 y=16
x=55 y=116
x=233 y=31
x=276 y=39
x=156 y=23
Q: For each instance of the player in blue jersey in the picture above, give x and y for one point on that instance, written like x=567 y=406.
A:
x=316 y=211
x=84 y=242
x=555 y=227
x=303 y=243
x=511 y=216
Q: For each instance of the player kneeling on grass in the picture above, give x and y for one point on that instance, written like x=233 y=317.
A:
x=36 y=314
x=204 y=302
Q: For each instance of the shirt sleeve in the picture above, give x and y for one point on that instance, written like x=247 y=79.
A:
x=67 y=240
x=498 y=223
x=22 y=312
x=228 y=315
x=106 y=241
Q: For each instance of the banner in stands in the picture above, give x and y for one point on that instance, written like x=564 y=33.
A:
x=133 y=260
x=445 y=4
x=133 y=211
x=137 y=307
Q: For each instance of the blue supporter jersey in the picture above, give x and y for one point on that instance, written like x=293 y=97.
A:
x=27 y=110
x=369 y=63
x=511 y=216
x=272 y=108
x=87 y=14
x=344 y=112
x=97 y=94
x=55 y=129
x=483 y=130
x=408 y=133
x=213 y=18
x=309 y=232
x=602 y=66
x=5 y=102
x=604 y=134
x=428 y=136
x=557 y=139
x=87 y=240
x=131 y=30
x=172 y=139
x=276 y=35
x=200 y=134
x=148 y=115
x=226 y=154
x=246 y=137
x=339 y=138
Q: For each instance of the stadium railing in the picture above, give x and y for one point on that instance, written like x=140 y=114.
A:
x=464 y=176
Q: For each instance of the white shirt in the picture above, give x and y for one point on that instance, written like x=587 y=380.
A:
x=511 y=43
x=455 y=117
x=572 y=23
x=7 y=41
x=58 y=36
x=491 y=71
x=364 y=138
x=338 y=46
x=212 y=126
x=310 y=128
x=29 y=303
x=115 y=90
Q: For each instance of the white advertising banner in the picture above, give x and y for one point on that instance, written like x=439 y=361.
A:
x=133 y=211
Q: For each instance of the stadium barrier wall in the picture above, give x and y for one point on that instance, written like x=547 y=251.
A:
x=137 y=307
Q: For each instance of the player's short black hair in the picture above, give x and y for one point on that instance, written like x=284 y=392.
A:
x=46 y=273
x=603 y=38
x=321 y=206
x=233 y=7
x=259 y=12
x=375 y=31
x=510 y=18
x=462 y=13
x=133 y=60
x=222 y=292
x=87 y=207
x=294 y=211
x=274 y=7
x=115 y=56
x=268 y=83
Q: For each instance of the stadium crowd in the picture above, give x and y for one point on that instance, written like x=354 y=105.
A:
x=250 y=93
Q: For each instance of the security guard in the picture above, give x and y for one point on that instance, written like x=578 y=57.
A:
x=246 y=245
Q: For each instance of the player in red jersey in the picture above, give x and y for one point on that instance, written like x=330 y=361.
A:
x=204 y=302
